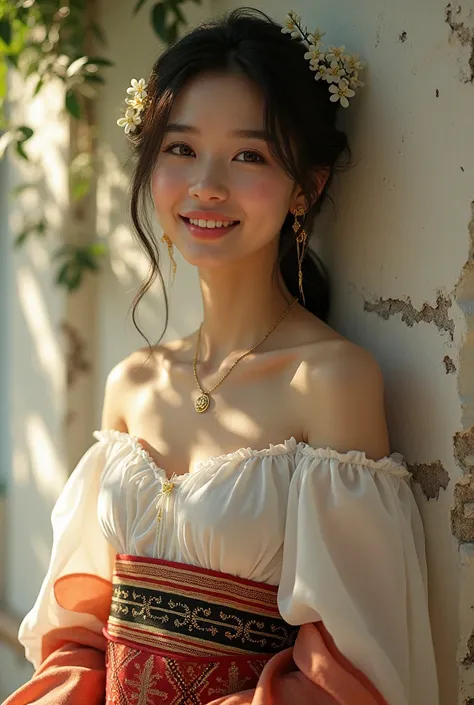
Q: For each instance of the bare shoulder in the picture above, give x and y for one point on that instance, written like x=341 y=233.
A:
x=343 y=398
x=124 y=378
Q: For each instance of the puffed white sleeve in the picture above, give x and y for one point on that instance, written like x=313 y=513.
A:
x=354 y=560
x=76 y=591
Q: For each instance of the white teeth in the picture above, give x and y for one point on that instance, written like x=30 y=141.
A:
x=211 y=223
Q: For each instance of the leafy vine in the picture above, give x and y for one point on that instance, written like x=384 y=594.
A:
x=50 y=40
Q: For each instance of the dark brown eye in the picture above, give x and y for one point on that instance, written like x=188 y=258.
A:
x=180 y=149
x=250 y=157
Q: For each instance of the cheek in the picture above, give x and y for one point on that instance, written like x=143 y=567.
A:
x=166 y=184
x=268 y=194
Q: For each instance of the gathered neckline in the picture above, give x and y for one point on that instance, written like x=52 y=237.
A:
x=392 y=464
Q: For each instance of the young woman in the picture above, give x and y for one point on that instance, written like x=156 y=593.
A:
x=239 y=533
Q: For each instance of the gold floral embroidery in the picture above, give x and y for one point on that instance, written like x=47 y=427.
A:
x=143 y=682
x=232 y=684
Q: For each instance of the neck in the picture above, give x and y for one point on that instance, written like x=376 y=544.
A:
x=241 y=303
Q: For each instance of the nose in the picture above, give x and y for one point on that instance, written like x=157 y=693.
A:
x=209 y=182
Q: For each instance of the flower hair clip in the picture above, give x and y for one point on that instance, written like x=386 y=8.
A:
x=137 y=102
x=340 y=70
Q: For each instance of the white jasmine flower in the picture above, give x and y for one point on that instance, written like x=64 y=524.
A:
x=129 y=121
x=335 y=53
x=316 y=36
x=334 y=73
x=138 y=102
x=314 y=54
x=290 y=25
x=354 y=81
x=353 y=63
x=138 y=88
x=341 y=92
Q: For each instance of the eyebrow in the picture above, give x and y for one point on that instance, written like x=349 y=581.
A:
x=248 y=134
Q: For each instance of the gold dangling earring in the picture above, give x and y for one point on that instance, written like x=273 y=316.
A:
x=301 y=238
x=166 y=239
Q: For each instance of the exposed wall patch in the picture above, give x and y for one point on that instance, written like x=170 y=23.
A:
x=462 y=514
x=449 y=365
x=432 y=478
x=438 y=315
x=465 y=35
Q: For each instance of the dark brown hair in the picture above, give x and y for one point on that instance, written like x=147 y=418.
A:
x=299 y=123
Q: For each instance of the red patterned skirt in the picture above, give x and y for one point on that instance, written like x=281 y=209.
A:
x=183 y=635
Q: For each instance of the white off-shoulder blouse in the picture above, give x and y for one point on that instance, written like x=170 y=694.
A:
x=339 y=533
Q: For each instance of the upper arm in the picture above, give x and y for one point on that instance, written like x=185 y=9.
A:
x=349 y=392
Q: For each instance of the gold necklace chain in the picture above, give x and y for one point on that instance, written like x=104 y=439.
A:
x=202 y=402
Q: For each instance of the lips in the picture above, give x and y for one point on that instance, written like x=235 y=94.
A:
x=208 y=229
x=205 y=223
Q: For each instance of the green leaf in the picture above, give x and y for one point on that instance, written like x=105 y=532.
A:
x=12 y=60
x=138 y=6
x=99 y=61
x=93 y=78
x=3 y=78
x=20 y=150
x=98 y=33
x=39 y=228
x=5 y=31
x=21 y=238
x=179 y=15
x=158 y=19
x=98 y=249
x=27 y=133
x=85 y=259
x=72 y=104
x=172 y=33
x=38 y=87
x=22 y=134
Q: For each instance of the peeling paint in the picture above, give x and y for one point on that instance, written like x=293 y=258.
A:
x=468 y=660
x=385 y=308
x=449 y=365
x=462 y=523
x=432 y=478
x=464 y=34
x=76 y=360
x=463 y=446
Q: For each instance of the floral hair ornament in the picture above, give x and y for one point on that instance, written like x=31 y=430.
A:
x=340 y=70
x=137 y=102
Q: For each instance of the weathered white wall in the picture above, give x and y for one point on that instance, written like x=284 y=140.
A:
x=33 y=455
x=400 y=256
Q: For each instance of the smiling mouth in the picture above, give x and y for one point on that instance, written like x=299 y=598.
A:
x=208 y=224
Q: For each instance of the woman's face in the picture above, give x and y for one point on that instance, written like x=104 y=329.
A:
x=214 y=165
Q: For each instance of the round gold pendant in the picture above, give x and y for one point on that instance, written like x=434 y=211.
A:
x=202 y=403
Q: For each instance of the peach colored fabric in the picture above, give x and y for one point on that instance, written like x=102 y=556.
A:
x=82 y=592
x=72 y=674
x=72 y=669
x=313 y=672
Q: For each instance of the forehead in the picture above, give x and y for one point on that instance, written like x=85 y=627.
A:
x=214 y=102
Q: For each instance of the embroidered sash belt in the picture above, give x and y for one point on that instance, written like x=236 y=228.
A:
x=182 y=634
